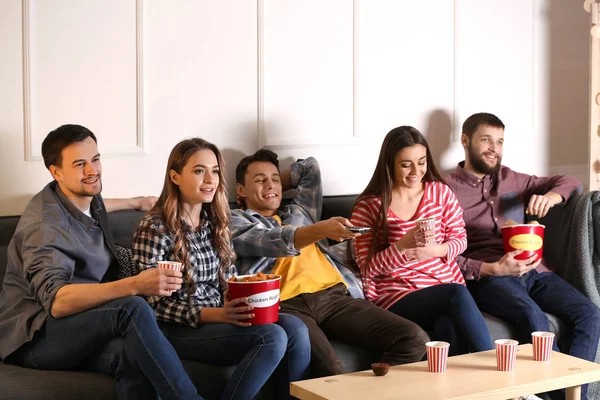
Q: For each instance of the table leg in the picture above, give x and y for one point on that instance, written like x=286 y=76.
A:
x=574 y=393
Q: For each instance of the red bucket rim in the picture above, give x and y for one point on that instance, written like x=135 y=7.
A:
x=247 y=283
x=523 y=225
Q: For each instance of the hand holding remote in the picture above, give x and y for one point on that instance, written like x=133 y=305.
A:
x=358 y=229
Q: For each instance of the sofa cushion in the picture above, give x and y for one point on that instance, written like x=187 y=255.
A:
x=22 y=383
x=123 y=224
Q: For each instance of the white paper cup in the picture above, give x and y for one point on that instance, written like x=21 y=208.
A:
x=427 y=224
x=437 y=356
x=506 y=354
x=542 y=345
x=173 y=265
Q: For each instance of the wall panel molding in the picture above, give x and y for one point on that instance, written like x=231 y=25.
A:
x=141 y=141
x=295 y=142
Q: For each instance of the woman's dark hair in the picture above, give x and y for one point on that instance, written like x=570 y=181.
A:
x=382 y=181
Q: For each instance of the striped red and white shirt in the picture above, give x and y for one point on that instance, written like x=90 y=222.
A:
x=391 y=276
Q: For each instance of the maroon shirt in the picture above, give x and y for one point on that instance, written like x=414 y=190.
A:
x=489 y=202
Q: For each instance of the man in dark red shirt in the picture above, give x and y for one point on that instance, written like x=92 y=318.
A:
x=517 y=291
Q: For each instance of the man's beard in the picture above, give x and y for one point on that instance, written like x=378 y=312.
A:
x=479 y=165
x=89 y=193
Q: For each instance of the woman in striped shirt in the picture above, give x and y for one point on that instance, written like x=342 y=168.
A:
x=418 y=281
x=190 y=224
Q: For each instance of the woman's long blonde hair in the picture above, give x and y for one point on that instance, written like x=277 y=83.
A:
x=170 y=210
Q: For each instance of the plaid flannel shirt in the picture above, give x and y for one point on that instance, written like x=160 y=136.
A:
x=259 y=240
x=153 y=245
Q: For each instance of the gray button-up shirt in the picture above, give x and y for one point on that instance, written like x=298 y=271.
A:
x=258 y=241
x=54 y=244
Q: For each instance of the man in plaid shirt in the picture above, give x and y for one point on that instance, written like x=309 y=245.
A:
x=291 y=241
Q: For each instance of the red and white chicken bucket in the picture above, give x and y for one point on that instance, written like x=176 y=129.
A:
x=262 y=295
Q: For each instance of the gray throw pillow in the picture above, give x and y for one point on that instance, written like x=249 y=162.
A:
x=124 y=258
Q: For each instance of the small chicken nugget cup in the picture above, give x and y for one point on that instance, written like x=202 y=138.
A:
x=262 y=295
x=542 y=345
x=526 y=237
x=437 y=356
x=506 y=354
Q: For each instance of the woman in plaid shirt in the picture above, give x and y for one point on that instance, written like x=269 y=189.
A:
x=189 y=224
x=420 y=282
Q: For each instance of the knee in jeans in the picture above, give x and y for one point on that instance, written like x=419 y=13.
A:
x=591 y=313
x=138 y=306
x=296 y=331
x=534 y=317
x=460 y=292
x=272 y=335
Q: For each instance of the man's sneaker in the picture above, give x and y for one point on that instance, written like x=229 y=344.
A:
x=531 y=397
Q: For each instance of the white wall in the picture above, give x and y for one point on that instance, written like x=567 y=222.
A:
x=327 y=78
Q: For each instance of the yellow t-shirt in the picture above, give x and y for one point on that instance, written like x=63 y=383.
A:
x=309 y=272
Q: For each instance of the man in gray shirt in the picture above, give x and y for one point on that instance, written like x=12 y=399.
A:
x=61 y=307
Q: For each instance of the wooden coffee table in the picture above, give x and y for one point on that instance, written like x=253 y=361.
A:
x=470 y=376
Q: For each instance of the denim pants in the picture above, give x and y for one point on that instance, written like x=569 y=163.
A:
x=119 y=338
x=449 y=311
x=279 y=351
x=523 y=302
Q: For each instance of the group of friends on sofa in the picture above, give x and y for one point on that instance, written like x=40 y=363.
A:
x=63 y=308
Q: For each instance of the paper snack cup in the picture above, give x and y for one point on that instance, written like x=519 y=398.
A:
x=437 y=356
x=262 y=295
x=542 y=345
x=506 y=354
x=427 y=224
x=174 y=265
x=526 y=237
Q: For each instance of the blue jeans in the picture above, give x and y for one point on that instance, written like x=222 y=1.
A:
x=119 y=338
x=279 y=351
x=446 y=309
x=522 y=302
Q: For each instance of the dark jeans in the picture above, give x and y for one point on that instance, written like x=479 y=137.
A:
x=280 y=351
x=522 y=302
x=119 y=338
x=331 y=313
x=445 y=309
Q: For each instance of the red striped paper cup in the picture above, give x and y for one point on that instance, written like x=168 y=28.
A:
x=427 y=224
x=506 y=354
x=437 y=356
x=542 y=345
x=174 y=265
